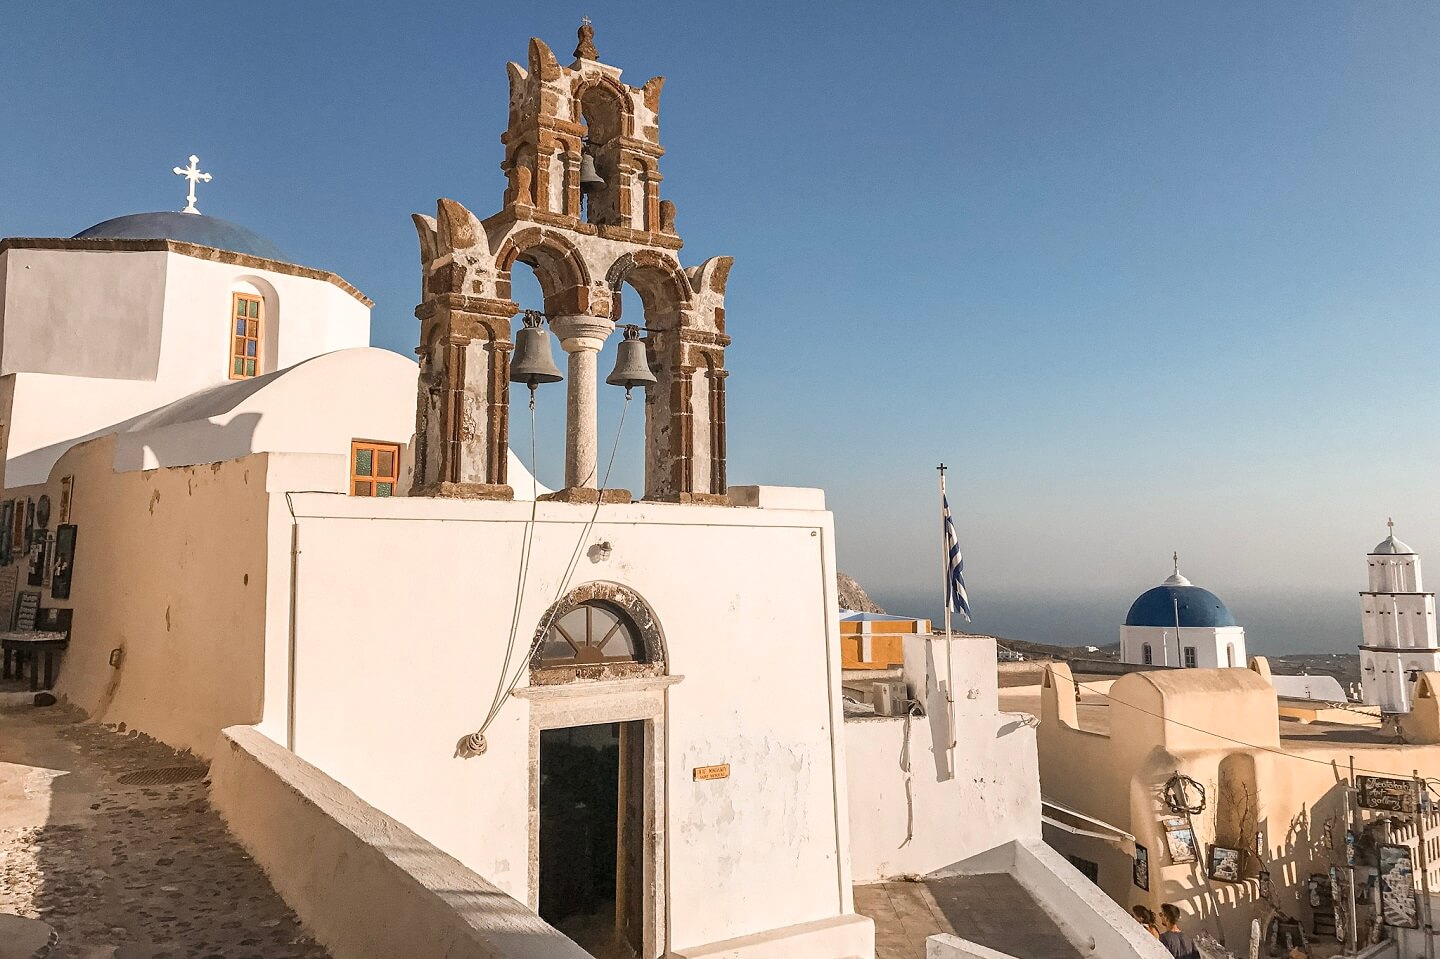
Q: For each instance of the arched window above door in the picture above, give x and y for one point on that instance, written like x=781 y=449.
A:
x=597 y=631
x=593 y=632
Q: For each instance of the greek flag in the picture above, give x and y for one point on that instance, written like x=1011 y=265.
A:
x=956 y=599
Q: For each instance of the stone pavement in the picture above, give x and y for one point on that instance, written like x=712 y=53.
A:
x=993 y=910
x=126 y=871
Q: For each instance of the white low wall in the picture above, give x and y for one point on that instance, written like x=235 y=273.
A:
x=993 y=795
x=994 y=798
x=1090 y=919
x=945 y=946
x=363 y=884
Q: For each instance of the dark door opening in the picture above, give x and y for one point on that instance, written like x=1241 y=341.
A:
x=590 y=856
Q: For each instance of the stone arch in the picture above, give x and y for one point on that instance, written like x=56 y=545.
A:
x=603 y=104
x=663 y=287
x=653 y=662
x=563 y=274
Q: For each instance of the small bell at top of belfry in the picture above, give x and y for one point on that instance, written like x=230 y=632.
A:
x=534 y=363
x=590 y=180
x=631 y=367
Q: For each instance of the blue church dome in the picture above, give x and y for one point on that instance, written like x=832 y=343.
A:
x=1196 y=607
x=185 y=228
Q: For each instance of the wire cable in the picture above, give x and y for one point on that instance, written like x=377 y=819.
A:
x=474 y=744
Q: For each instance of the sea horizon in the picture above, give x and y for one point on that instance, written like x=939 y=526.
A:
x=1321 y=622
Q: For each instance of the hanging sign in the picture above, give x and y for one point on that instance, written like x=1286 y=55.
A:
x=703 y=773
x=1391 y=795
x=1142 y=867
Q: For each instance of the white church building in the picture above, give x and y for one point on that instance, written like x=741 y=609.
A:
x=1398 y=637
x=1179 y=624
x=451 y=712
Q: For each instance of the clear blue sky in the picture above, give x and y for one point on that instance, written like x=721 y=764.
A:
x=1149 y=276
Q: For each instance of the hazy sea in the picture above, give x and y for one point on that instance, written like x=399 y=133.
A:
x=1274 y=624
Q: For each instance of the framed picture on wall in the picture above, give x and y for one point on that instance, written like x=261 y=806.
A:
x=1224 y=864
x=64 y=561
x=1397 y=888
x=67 y=489
x=1142 y=867
x=1180 y=843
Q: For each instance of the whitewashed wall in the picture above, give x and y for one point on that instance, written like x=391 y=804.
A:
x=93 y=339
x=992 y=797
x=1210 y=644
x=402 y=609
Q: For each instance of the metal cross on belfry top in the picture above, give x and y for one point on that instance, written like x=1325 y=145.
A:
x=193 y=174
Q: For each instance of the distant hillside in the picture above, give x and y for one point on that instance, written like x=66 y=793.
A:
x=853 y=595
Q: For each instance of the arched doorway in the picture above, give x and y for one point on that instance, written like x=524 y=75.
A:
x=597 y=705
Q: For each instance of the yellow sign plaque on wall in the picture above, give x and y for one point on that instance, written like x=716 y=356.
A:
x=721 y=771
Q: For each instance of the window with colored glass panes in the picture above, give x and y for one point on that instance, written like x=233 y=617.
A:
x=245 y=337
x=374 y=468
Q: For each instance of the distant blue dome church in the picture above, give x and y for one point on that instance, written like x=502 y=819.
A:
x=1179 y=624
x=1189 y=605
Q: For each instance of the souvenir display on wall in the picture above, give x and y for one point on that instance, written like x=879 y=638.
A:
x=35 y=562
x=1224 y=864
x=1180 y=842
x=9 y=584
x=7 y=513
x=27 y=606
x=1264 y=884
x=67 y=488
x=29 y=523
x=64 y=561
x=47 y=559
x=42 y=512
x=17 y=529
x=1397 y=888
x=1142 y=867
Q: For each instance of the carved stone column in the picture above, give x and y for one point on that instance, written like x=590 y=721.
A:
x=462 y=418
x=581 y=337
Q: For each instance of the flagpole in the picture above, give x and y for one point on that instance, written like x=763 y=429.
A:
x=949 y=668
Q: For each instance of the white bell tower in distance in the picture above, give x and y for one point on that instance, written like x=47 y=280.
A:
x=1397 y=626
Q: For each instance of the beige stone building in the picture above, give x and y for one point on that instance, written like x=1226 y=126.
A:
x=1178 y=763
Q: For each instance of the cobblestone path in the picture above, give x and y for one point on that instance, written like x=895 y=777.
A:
x=126 y=871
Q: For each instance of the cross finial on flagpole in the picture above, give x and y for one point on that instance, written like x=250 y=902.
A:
x=941 y=468
x=1390 y=522
x=193 y=174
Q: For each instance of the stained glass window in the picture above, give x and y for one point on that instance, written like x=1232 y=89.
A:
x=374 y=468
x=245 y=344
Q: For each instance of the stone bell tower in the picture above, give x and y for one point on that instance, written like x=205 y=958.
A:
x=582 y=208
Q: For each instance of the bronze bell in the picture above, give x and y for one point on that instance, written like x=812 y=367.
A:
x=631 y=367
x=589 y=180
x=533 y=362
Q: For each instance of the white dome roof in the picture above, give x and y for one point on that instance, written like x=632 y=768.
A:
x=1390 y=546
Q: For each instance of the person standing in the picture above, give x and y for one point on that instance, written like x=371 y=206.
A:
x=1172 y=937
x=1146 y=918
